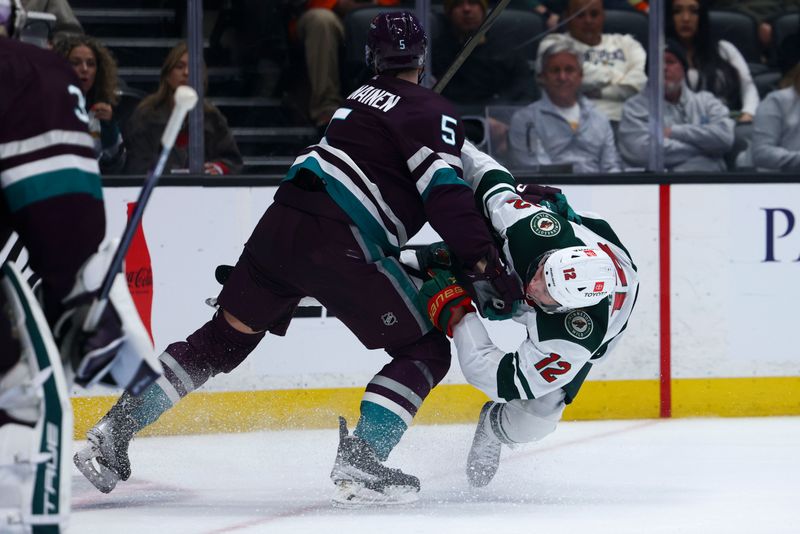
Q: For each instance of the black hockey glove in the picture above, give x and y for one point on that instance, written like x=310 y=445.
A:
x=497 y=290
x=118 y=351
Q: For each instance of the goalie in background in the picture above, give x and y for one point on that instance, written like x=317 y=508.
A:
x=52 y=198
x=580 y=288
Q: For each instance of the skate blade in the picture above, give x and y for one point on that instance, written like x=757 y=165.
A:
x=100 y=476
x=354 y=495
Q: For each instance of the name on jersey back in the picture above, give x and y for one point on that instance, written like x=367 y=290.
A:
x=374 y=97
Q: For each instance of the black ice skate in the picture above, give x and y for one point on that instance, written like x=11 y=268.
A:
x=362 y=480
x=104 y=461
x=484 y=456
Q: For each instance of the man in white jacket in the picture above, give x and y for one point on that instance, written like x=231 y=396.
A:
x=697 y=129
x=613 y=63
x=580 y=288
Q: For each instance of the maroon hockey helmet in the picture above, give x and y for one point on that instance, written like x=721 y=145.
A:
x=396 y=41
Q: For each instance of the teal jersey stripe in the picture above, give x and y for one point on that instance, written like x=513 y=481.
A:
x=443 y=176
x=348 y=202
x=52 y=184
x=394 y=270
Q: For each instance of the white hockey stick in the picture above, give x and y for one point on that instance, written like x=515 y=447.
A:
x=185 y=100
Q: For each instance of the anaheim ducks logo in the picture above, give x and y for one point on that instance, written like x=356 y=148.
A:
x=545 y=225
x=579 y=324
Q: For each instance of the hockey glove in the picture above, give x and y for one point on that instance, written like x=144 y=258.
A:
x=560 y=206
x=440 y=296
x=117 y=351
x=497 y=290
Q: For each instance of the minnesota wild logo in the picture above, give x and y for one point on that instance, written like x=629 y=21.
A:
x=579 y=324
x=545 y=225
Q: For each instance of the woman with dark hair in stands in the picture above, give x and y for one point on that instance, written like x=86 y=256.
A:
x=144 y=128
x=715 y=65
x=97 y=72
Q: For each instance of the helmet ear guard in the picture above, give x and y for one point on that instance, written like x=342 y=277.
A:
x=578 y=277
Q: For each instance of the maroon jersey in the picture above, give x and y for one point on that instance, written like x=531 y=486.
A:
x=391 y=160
x=51 y=192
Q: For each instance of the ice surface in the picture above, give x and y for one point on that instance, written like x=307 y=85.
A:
x=702 y=476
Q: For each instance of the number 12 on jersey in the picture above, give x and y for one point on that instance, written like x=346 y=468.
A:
x=550 y=374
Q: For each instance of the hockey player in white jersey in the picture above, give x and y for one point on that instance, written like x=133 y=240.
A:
x=580 y=287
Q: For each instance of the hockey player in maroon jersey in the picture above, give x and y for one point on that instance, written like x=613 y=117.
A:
x=50 y=195
x=388 y=163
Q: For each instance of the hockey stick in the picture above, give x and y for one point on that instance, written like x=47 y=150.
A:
x=185 y=100
x=469 y=46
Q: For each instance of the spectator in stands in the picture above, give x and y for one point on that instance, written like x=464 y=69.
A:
x=763 y=11
x=144 y=128
x=563 y=126
x=548 y=9
x=494 y=73
x=66 y=21
x=697 y=128
x=97 y=72
x=321 y=32
x=776 y=129
x=613 y=64
x=716 y=66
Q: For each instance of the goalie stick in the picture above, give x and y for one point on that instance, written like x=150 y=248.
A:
x=185 y=100
x=469 y=46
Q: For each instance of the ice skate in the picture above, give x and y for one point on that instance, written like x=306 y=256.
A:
x=484 y=455
x=104 y=460
x=362 y=480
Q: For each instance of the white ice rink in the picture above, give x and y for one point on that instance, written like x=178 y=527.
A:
x=702 y=476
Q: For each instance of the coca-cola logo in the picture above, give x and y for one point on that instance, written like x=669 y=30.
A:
x=141 y=278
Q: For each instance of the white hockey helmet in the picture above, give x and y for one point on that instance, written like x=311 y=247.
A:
x=578 y=277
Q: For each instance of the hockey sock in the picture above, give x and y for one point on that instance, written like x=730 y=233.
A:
x=149 y=407
x=380 y=428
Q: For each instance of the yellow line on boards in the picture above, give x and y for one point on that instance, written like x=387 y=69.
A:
x=242 y=411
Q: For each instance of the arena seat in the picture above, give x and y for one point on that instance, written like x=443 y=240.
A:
x=631 y=22
x=739 y=29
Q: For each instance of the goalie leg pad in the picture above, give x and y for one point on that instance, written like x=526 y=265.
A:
x=34 y=467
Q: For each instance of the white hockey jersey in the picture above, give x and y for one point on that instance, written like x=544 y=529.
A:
x=559 y=348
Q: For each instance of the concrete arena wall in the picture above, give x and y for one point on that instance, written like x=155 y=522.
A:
x=732 y=279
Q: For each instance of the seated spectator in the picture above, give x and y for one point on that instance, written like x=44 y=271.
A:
x=548 y=9
x=144 y=128
x=697 y=128
x=563 y=126
x=97 y=72
x=66 y=21
x=763 y=11
x=776 y=129
x=613 y=64
x=492 y=74
x=716 y=66
x=321 y=32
